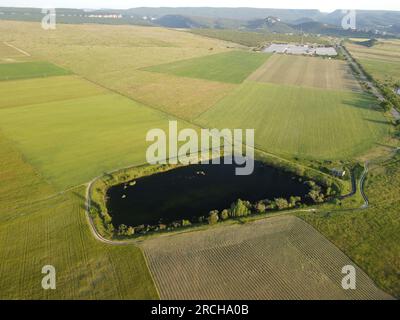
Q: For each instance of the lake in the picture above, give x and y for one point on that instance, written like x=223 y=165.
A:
x=193 y=191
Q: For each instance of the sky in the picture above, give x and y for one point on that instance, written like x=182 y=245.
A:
x=323 y=5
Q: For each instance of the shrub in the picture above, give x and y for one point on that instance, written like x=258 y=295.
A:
x=213 y=217
x=270 y=205
x=224 y=215
x=386 y=105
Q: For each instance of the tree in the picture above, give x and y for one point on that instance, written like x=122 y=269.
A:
x=107 y=218
x=294 y=200
x=224 y=215
x=186 y=223
x=270 y=205
x=281 y=203
x=130 y=231
x=260 y=207
x=213 y=217
x=316 y=196
x=122 y=230
x=240 y=208
x=310 y=183
x=386 y=105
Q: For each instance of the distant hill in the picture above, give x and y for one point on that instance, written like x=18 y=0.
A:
x=379 y=20
x=287 y=21
x=229 y=13
x=269 y=24
x=315 y=27
x=178 y=21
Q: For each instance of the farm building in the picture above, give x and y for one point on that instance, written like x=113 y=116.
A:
x=300 y=49
x=338 y=172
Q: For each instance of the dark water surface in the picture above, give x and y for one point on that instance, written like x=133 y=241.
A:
x=193 y=191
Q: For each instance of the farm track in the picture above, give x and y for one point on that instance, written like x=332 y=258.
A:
x=362 y=184
x=18 y=49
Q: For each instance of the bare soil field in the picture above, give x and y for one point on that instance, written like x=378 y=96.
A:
x=306 y=71
x=276 y=258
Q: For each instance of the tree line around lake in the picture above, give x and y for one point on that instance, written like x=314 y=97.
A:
x=238 y=209
x=322 y=187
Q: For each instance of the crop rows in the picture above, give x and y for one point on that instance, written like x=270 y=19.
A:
x=260 y=260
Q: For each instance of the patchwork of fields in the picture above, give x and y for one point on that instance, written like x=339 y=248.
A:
x=60 y=130
x=231 y=67
x=305 y=122
x=382 y=60
x=72 y=130
x=276 y=258
x=186 y=79
x=371 y=237
x=71 y=141
x=39 y=226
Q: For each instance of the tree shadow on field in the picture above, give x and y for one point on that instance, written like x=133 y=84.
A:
x=82 y=199
x=378 y=121
x=363 y=102
x=385 y=145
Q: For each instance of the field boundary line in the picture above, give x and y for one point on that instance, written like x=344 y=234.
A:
x=350 y=259
x=191 y=122
x=18 y=49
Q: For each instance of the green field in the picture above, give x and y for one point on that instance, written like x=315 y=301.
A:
x=382 y=60
x=26 y=70
x=38 y=226
x=371 y=237
x=230 y=67
x=298 y=121
x=74 y=140
x=383 y=70
x=35 y=91
x=58 y=132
